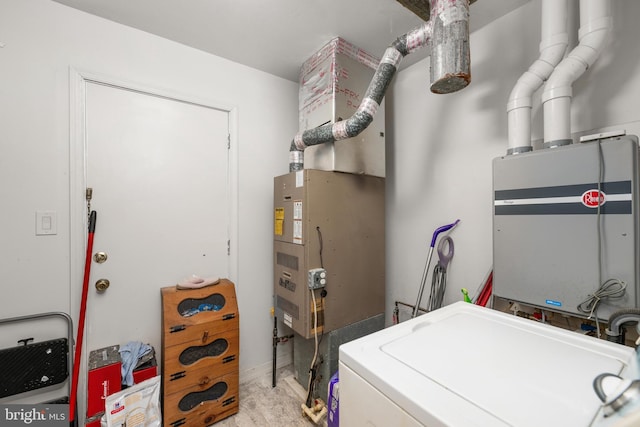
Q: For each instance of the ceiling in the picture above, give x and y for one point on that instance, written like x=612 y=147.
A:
x=277 y=39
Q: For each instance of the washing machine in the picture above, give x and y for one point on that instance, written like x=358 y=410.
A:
x=465 y=365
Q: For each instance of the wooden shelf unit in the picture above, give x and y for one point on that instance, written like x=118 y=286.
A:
x=200 y=354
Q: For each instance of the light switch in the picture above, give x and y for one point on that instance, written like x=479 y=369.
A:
x=46 y=223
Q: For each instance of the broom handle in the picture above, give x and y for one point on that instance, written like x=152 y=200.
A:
x=81 y=317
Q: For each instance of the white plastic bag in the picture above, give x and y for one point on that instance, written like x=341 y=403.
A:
x=138 y=405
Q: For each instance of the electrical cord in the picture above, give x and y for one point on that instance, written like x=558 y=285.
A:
x=312 y=368
x=323 y=293
x=321 y=244
x=599 y=211
x=599 y=230
x=612 y=288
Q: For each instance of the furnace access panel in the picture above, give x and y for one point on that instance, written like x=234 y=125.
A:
x=335 y=221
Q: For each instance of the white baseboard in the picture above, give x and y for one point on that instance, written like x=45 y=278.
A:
x=284 y=358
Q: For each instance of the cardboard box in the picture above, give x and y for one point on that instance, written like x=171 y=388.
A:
x=145 y=371
x=103 y=379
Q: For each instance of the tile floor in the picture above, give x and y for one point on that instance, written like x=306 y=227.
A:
x=261 y=405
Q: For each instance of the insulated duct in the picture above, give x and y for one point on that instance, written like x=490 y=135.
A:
x=553 y=44
x=448 y=33
x=595 y=26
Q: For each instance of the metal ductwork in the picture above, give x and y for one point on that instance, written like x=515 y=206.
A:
x=448 y=33
x=450 y=59
x=421 y=7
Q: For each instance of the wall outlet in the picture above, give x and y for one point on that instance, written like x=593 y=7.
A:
x=317 y=278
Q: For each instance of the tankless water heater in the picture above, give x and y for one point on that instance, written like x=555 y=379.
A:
x=549 y=250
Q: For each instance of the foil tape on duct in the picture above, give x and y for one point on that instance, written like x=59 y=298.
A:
x=420 y=7
x=449 y=27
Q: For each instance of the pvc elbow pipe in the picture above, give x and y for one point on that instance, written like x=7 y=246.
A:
x=557 y=123
x=519 y=124
x=595 y=26
x=619 y=318
x=552 y=48
x=580 y=58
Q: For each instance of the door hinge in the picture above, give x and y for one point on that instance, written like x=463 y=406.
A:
x=228 y=247
x=228 y=141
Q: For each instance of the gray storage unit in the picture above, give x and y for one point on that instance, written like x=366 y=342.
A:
x=545 y=227
x=336 y=221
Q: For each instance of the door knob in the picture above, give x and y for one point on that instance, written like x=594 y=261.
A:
x=100 y=257
x=102 y=285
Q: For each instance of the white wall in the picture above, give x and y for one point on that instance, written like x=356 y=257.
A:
x=42 y=41
x=441 y=146
x=439 y=152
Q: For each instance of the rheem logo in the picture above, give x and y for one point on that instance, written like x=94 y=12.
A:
x=593 y=198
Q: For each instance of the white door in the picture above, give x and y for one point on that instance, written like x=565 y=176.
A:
x=158 y=168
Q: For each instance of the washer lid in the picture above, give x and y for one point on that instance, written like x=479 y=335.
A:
x=465 y=362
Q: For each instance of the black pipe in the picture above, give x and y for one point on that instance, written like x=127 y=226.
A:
x=276 y=340
x=275 y=346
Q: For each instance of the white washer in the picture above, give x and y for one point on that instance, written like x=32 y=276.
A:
x=464 y=365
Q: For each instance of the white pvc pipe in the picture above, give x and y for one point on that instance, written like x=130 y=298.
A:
x=595 y=27
x=554 y=40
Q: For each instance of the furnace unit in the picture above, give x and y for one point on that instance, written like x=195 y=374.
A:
x=546 y=236
x=332 y=223
x=329 y=248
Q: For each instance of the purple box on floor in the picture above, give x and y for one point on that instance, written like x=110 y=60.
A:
x=334 y=393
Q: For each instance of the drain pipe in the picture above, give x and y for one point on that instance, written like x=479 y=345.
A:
x=595 y=27
x=553 y=44
x=617 y=320
x=448 y=33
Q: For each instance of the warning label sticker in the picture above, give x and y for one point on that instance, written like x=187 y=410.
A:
x=297 y=209
x=278 y=228
x=297 y=231
x=288 y=320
